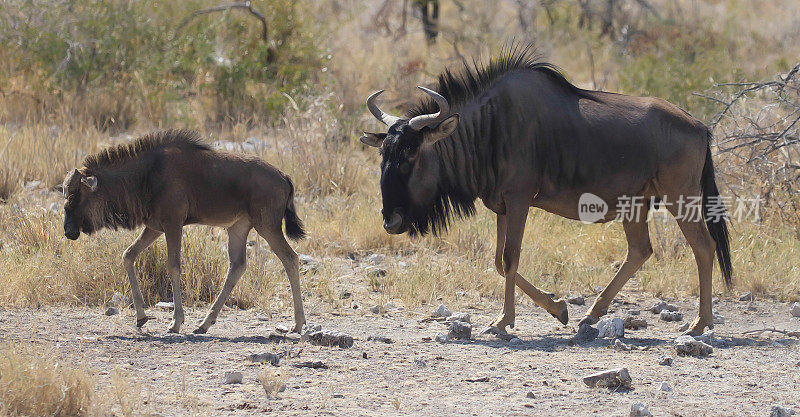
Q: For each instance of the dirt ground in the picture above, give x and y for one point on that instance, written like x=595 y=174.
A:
x=183 y=374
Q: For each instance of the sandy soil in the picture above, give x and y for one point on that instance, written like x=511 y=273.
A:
x=183 y=374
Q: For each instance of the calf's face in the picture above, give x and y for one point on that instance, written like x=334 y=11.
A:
x=83 y=206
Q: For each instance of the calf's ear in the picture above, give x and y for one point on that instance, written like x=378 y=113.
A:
x=443 y=130
x=372 y=139
x=90 y=182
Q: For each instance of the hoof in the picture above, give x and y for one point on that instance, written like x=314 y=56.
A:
x=199 y=330
x=563 y=315
x=588 y=320
x=142 y=321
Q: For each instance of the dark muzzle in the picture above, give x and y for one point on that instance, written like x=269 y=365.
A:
x=394 y=225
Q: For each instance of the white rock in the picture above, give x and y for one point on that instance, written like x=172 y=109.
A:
x=665 y=361
x=718 y=319
x=165 y=305
x=619 y=346
x=618 y=377
x=112 y=311
x=377 y=309
x=441 y=338
x=515 y=341
x=464 y=317
x=233 y=377
x=640 y=410
x=707 y=337
x=442 y=311
x=576 y=299
x=663 y=386
x=460 y=330
x=671 y=315
x=778 y=411
x=746 y=297
x=688 y=346
x=658 y=307
x=795 y=310
x=281 y=329
x=609 y=327
x=376 y=259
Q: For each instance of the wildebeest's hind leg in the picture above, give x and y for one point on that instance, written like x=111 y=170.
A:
x=237 y=253
x=557 y=309
x=145 y=239
x=173 y=234
x=272 y=232
x=703 y=246
x=639 y=250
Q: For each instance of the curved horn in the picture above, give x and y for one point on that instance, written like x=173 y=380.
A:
x=385 y=118
x=423 y=120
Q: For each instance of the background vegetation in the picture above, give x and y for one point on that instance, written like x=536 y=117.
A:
x=79 y=75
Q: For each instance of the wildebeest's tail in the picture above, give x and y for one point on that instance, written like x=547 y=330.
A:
x=294 y=227
x=714 y=214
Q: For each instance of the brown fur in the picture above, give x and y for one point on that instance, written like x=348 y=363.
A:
x=169 y=179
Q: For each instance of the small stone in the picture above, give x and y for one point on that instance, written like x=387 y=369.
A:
x=329 y=338
x=795 y=310
x=619 y=346
x=420 y=363
x=442 y=311
x=376 y=259
x=165 y=305
x=377 y=309
x=515 y=341
x=232 y=377
x=281 y=329
x=671 y=316
x=688 y=346
x=462 y=317
x=707 y=337
x=665 y=361
x=460 y=330
x=530 y=395
x=658 y=307
x=663 y=386
x=586 y=333
x=381 y=339
x=778 y=411
x=609 y=327
x=441 y=338
x=640 y=410
x=577 y=300
x=634 y=312
x=375 y=272
x=746 y=297
x=609 y=379
x=273 y=359
x=635 y=323
x=112 y=311
x=671 y=307
x=718 y=319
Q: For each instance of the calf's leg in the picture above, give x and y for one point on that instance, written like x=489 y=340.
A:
x=173 y=235
x=273 y=234
x=557 y=309
x=145 y=239
x=237 y=253
x=639 y=250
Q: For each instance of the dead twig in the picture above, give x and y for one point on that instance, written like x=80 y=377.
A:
x=772 y=330
x=222 y=8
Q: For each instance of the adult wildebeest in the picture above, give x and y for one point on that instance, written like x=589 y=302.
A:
x=516 y=134
x=169 y=179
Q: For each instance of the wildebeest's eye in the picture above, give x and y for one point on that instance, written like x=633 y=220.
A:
x=405 y=168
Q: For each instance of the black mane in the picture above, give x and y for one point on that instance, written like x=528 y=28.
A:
x=182 y=138
x=461 y=87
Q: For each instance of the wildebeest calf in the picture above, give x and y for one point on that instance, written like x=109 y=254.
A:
x=169 y=179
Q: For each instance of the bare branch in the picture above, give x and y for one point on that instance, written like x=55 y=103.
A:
x=222 y=8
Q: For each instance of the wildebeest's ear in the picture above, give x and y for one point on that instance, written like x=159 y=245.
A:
x=90 y=182
x=373 y=139
x=443 y=130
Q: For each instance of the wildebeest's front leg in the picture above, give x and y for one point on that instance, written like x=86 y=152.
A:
x=557 y=309
x=237 y=252
x=145 y=239
x=173 y=235
x=639 y=250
